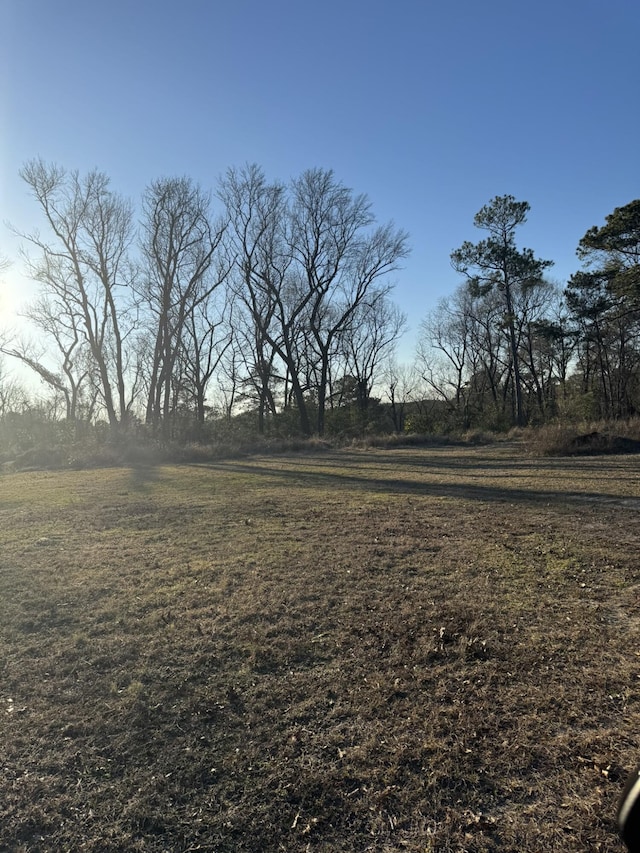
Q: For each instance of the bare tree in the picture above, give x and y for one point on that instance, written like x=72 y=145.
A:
x=13 y=397
x=229 y=377
x=207 y=337
x=179 y=246
x=306 y=260
x=268 y=320
x=341 y=262
x=464 y=357
x=444 y=349
x=544 y=346
x=375 y=328
x=54 y=314
x=401 y=384
x=84 y=270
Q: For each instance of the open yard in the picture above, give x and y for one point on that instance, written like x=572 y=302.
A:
x=404 y=650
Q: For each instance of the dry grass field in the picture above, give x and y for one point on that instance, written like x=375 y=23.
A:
x=404 y=650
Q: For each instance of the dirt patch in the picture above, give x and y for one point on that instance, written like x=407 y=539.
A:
x=407 y=650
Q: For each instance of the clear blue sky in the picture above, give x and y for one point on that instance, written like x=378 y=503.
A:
x=431 y=108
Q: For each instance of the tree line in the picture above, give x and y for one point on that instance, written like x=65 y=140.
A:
x=513 y=348
x=274 y=300
x=278 y=302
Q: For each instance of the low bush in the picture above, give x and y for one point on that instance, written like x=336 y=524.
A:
x=586 y=438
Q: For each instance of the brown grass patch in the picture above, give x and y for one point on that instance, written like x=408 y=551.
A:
x=586 y=439
x=424 y=650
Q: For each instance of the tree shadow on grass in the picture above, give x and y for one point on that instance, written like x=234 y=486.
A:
x=306 y=478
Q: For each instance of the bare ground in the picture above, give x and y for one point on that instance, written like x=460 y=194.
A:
x=433 y=650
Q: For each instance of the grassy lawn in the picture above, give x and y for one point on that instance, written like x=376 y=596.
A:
x=406 y=650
